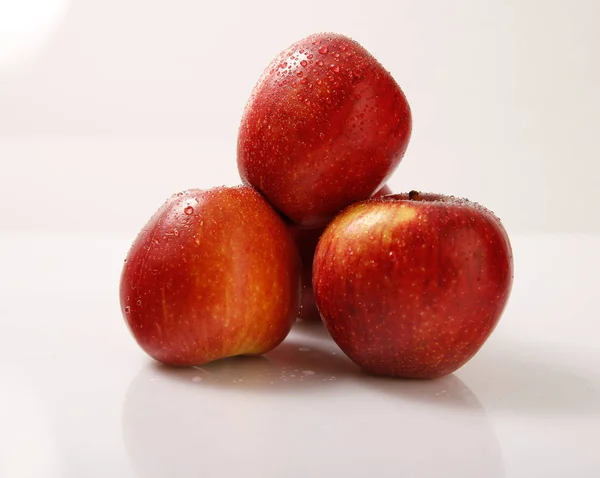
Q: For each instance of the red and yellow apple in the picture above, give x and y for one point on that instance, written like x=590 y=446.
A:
x=326 y=126
x=306 y=241
x=215 y=273
x=412 y=285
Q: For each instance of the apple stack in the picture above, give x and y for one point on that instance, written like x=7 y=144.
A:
x=408 y=285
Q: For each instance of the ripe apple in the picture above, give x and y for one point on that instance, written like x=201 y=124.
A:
x=306 y=241
x=213 y=274
x=326 y=126
x=412 y=285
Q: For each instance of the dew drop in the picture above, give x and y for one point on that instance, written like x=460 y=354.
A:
x=335 y=68
x=139 y=302
x=310 y=56
x=299 y=74
x=304 y=63
x=127 y=309
x=323 y=50
x=284 y=64
x=320 y=63
x=175 y=232
x=189 y=211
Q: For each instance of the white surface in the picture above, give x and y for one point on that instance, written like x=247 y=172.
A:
x=108 y=107
x=79 y=399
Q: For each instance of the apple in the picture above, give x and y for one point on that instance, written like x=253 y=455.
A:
x=215 y=273
x=306 y=241
x=412 y=285
x=326 y=126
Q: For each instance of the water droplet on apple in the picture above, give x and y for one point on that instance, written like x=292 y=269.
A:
x=189 y=210
x=308 y=372
x=304 y=349
x=304 y=63
x=127 y=309
x=175 y=232
x=320 y=63
x=197 y=379
x=139 y=302
x=323 y=50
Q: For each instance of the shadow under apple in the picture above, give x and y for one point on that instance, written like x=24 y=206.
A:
x=294 y=365
x=335 y=421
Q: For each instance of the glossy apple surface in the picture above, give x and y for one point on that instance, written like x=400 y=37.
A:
x=412 y=285
x=306 y=241
x=326 y=125
x=213 y=274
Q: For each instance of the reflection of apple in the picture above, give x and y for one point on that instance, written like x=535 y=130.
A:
x=326 y=126
x=306 y=240
x=213 y=274
x=295 y=364
x=172 y=425
x=412 y=285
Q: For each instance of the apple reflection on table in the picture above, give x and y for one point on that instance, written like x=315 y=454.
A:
x=303 y=410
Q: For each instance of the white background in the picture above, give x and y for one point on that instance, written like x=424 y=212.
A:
x=108 y=107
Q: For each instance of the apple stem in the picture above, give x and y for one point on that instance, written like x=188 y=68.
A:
x=413 y=195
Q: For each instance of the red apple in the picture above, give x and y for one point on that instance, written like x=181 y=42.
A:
x=412 y=285
x=326 y=125
x=306 y=241
x=213 y=274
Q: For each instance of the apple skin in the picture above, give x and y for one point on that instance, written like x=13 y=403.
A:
x=326 y=126
x=215 y=273
x=412 y=285
x=306 y=241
